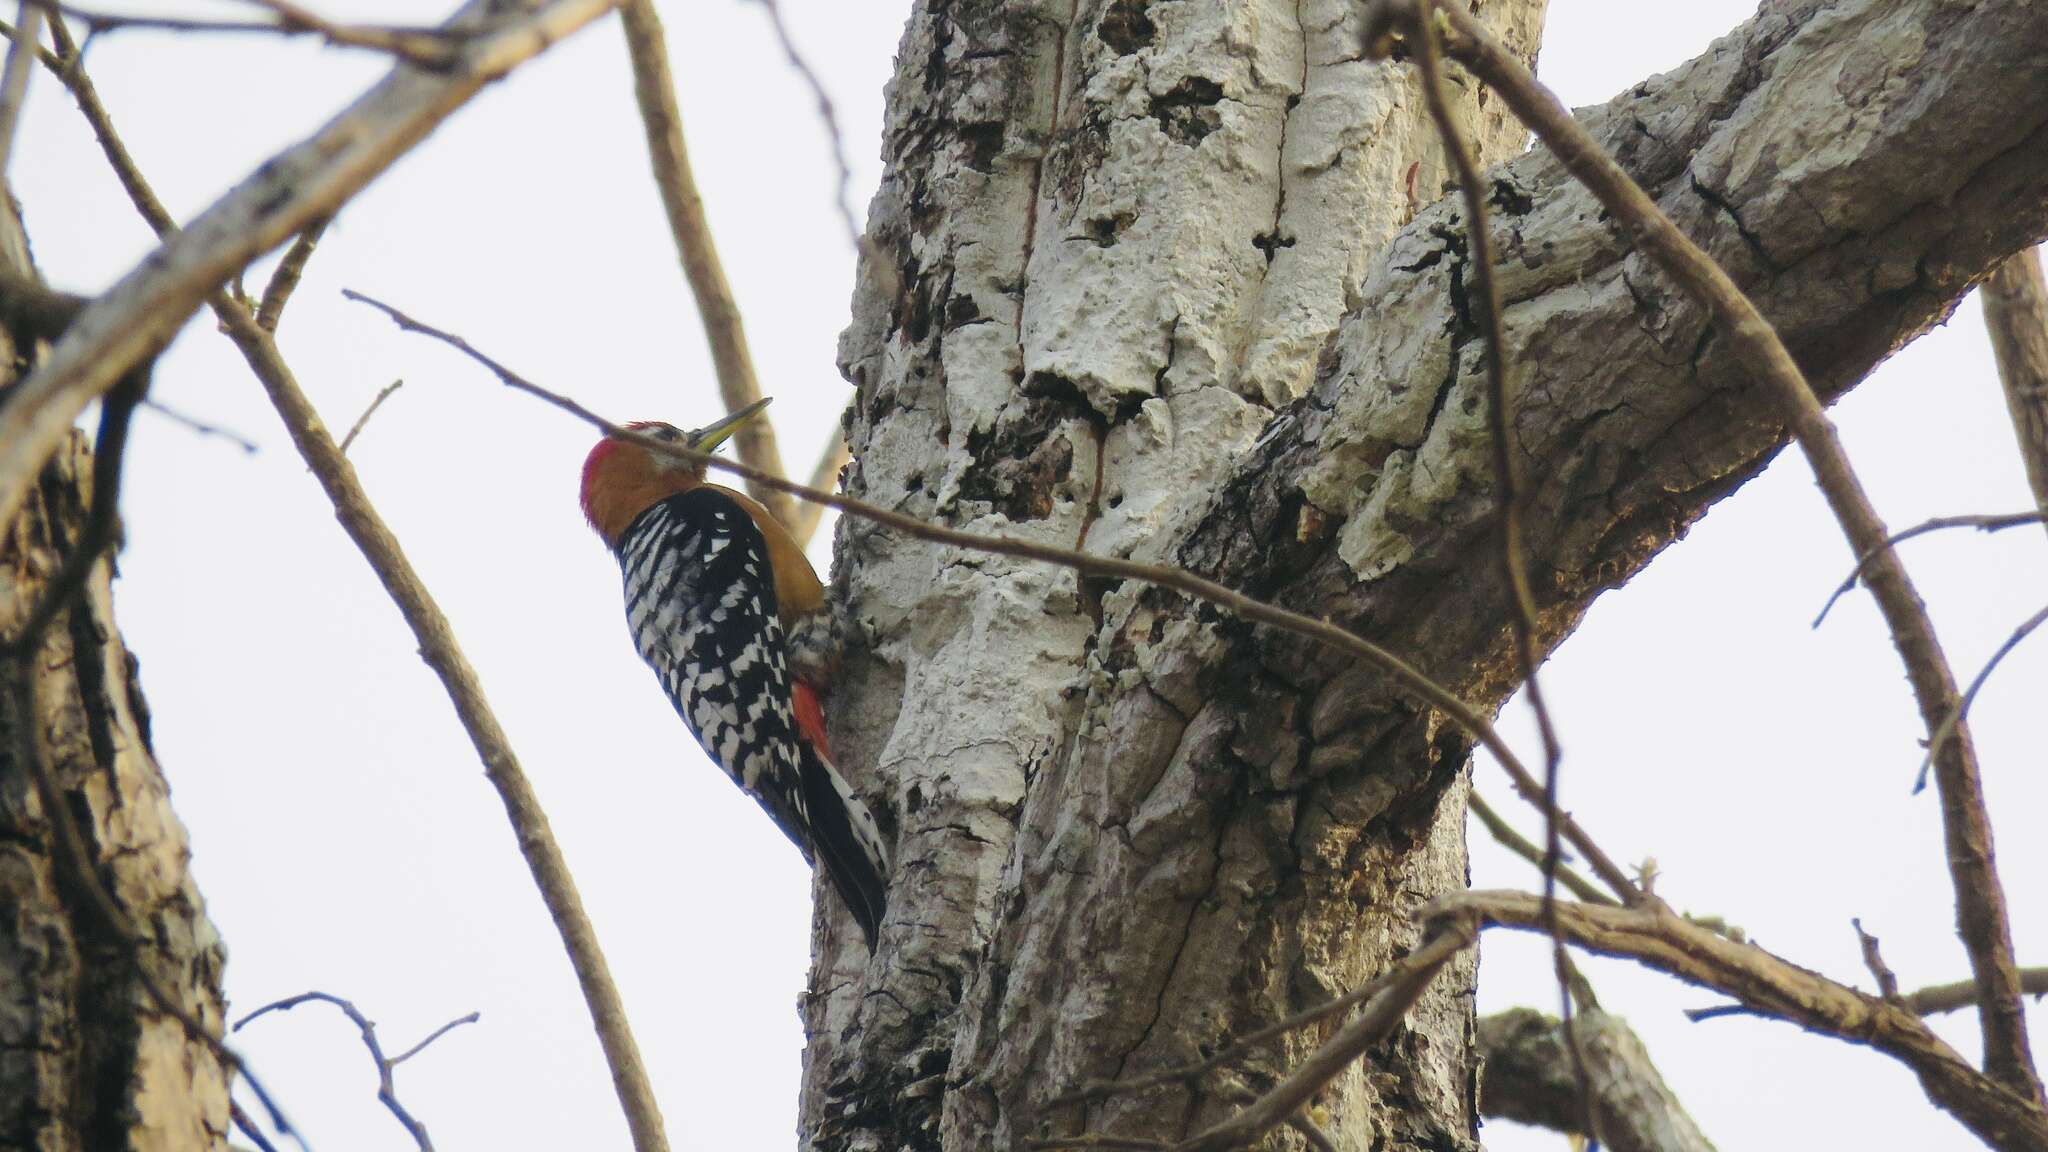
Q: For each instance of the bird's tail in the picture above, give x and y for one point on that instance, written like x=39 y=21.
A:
x=846 y=841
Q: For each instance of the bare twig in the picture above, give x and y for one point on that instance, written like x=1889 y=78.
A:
x=285 y=194
x=2015 y=302
x=1507 y=482
x=200 y=427
x=1985 y=523
x=828 y=115
x=246 y=1125
x=1980 y=896
x=654 y=87
x=356 y=429
x=1515 y=842
x=1873 y=959
x=824 y=475
x=1948 y=727
x=21 y=52
x=439 y=649
x=387 y=1088
x=1770 y=986
x=433 y=48
x=286 y=278
x=1177 y=579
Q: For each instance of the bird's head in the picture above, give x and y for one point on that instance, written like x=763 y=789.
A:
x=622 y=479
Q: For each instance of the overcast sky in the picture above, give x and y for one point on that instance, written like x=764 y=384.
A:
x=342 y=830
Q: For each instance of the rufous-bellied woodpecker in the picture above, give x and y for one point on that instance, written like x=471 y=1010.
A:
x=713 y=583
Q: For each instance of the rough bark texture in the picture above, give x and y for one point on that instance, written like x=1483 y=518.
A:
x=2016 y=313
x=1150 y=304
x=87 y=1060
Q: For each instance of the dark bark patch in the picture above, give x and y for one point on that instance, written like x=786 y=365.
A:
x=1126 y=27
x=1188 y=113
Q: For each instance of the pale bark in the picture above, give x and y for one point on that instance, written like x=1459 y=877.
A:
x=87 y=1058
x=1125 y=233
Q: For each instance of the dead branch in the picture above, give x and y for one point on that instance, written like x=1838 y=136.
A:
x=1768 y=985
x=387 y=1087
x=356 y=429
x=432 y=48
x=1527 y=1080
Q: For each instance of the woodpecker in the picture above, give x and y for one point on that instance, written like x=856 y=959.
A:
x=713 y=582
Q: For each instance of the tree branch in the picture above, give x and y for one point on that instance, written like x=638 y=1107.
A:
x=1980 y=896
x=437 y=647
x=1527 y=1080
x=387 y=1087
x=654 y=88
x=1655 y=936
x=281 y=198
x=2015 y=302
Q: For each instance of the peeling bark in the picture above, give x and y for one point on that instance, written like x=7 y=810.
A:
x=1162 y=294
x=87 y=1059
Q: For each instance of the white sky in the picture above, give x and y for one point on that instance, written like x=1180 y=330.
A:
x=344 y=835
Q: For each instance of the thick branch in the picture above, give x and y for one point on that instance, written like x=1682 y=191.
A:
x=1528 y=1078
x=1655 y=936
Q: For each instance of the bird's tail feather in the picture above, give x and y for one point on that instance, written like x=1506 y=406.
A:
x=846 y=841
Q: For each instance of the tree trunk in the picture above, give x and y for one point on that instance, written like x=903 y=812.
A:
x=87 y=1058
x=1156 y=282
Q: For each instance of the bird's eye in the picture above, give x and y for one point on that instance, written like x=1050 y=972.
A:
x=668 y=433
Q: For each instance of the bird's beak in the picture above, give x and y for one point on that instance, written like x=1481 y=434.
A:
x=710 y=436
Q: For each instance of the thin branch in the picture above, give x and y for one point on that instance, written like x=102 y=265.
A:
x=200 y=427
x=356 y=429
x=21 y=50
x=1177 y=579
x=827 y=114
x=246 y=1125
x=431 y=48
x=1515 y=842
x=440 y=650
x=280 y=199
x=1980 y=896
x=387 y=1087
x=2015 y=302
x=1507 y=482
x=1986 y=523
x=824 y=475
x=654 y=88
x=1873 y=959
x=1939 y=998
x=1768 y=985
x=286 y=278
x=1948 y=727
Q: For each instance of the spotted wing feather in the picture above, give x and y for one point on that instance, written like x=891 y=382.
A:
x=700 y=601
